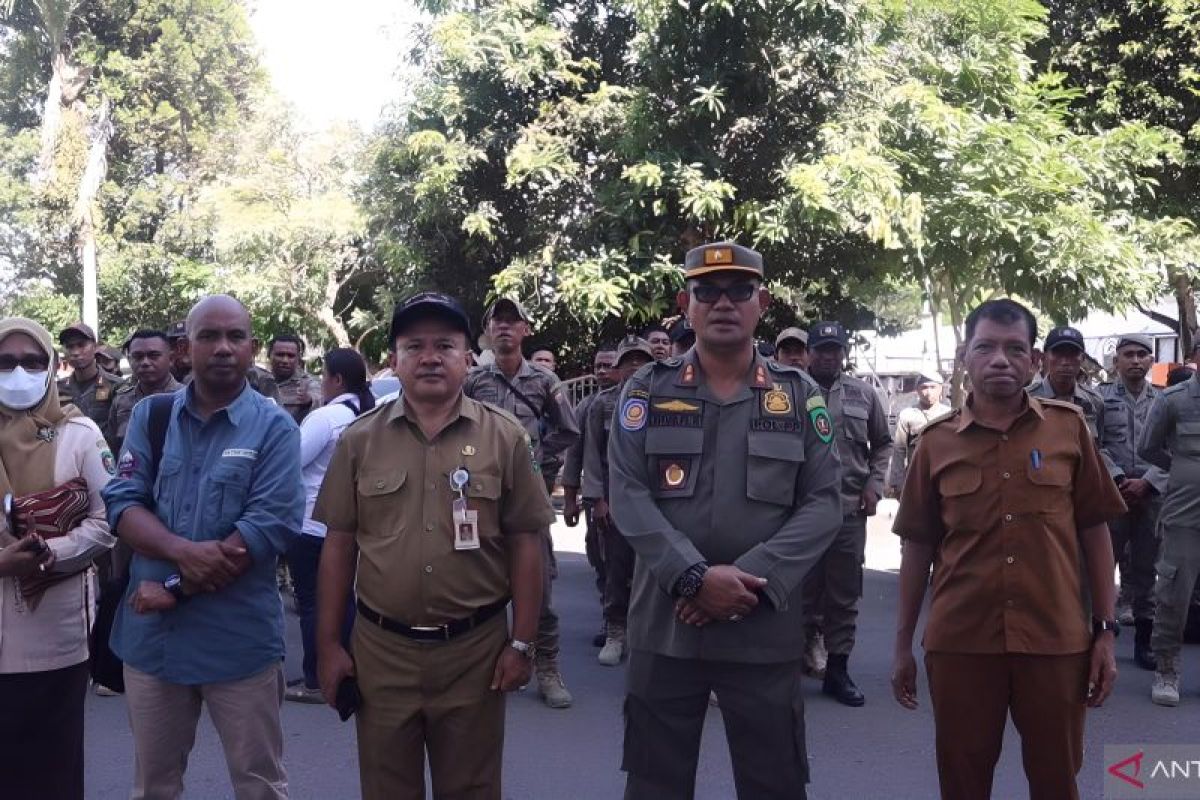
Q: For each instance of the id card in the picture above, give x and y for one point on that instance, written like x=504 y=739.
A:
x=466 y=526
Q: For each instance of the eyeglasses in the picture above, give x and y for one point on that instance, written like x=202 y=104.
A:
x=27 y=363
x=709 y=293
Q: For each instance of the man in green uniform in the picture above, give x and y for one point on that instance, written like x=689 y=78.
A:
x=149 y=356
x=181 y=357
x=535 y=396
x=791 y=348
x=910 y=423
x=1062 y=360
x=864 y=443
x=299 y=392
x=632 y=355
x=724 y=480
x=89 y=388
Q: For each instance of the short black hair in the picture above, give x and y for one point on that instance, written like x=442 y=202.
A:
x=289 y=338
x=147 y=333
x=1179 y=375
x=655 y=328
x=1005 y=312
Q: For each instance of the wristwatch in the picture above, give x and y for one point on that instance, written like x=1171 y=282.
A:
x=174 y=585
x=1099 y=626
x=524 y=648
x=689 y=583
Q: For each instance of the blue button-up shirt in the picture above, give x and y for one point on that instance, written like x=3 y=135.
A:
x=239 y=469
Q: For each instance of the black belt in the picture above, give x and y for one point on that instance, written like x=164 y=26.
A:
x=432 y=633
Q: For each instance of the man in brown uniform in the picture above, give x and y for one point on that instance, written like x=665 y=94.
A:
x=149 y=356
x=436 y=498
x=535 y=396
x=1001 y=498
x=89 y=388
x=299 y=392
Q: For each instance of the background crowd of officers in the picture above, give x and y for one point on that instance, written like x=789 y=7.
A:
x=635 y=461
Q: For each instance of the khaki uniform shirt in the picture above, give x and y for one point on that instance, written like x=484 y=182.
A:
x=596 y=429
x=1091 y=404
x=1004 y=510
x=864 y=441
x=909 y=425
x=391 y=487
x=550 y=422
x=1124 y=420
x=263 y=382
x=572 y=474
x=127 y=397
x=1171 y=441
x=94 y=399
x=751 y=480
x=299 y=394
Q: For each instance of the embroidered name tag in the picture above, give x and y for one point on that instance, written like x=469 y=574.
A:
x=238 y=452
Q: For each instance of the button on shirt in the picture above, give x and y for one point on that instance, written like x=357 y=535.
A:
x=390 y=486
x=240 y=470
x=1004 y=510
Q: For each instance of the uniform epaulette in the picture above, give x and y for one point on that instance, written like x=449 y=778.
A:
x=668 y=363
x=941 y=420
x=1063 y=404
x=125 y=388
x=1179 y=387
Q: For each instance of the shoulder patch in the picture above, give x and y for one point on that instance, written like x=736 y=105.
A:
x=634 y=414
x=822 y=423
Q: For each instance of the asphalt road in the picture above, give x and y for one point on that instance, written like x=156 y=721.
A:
x=878 y=751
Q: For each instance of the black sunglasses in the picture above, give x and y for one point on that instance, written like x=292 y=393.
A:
x=709 y=293
x=27 y=363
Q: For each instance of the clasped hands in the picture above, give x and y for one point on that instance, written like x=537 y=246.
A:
x=726 y=595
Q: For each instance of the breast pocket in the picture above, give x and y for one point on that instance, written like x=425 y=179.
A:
x=229 y=486
x=959 y=486
x=673 y=459
x=483 y=497
x=167 y=486
x=772 y=465
x=1187 y=438
x=854 y=424
x=380 y=502
x=1048 y=490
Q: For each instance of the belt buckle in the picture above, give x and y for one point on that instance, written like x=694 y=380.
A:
x=443 y=629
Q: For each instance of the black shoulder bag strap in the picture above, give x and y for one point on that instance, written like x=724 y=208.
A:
x=159 y=422
x=524 y=398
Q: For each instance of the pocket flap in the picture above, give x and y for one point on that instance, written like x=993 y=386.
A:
x=1050 y=475
x=485 y=486
x=778 y=446
x=857 y=412
x=377 y=483
x=1187 y=428
x=959 y=480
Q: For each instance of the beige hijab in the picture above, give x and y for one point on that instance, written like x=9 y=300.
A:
x=28 y=439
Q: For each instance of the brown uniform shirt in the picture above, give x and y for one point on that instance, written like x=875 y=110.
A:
x=1004 y=509
x=391 y=487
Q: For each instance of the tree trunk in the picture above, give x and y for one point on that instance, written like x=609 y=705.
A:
x=1185 y=300
x=326 y=313
x=51 y=121
x=84 y=216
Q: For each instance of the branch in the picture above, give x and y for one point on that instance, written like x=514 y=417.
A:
x=1159 y=317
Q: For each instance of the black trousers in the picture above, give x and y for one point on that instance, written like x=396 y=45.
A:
x=664 y=717
x=618 y=574
x=41 y=734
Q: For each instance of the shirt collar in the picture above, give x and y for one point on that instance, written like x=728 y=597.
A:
x=237 y=412
x=757 y=377
x=342 y=397
x=966 y=416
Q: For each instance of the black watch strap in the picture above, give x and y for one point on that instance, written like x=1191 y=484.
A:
x=689 y=583
x=1099 y=626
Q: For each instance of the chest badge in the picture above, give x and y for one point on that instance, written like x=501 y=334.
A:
x=468 y=450
x=674 y=475
x=103 y=393
x=777 y=401
x=689 y=375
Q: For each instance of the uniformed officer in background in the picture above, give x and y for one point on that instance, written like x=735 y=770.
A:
x=434 y=502
x=864 y=444
x=632 y=354
x=725 y=482
x=604 y=370
x=682 y=336
x=659 y=339
x=109 y=359
x=791 y=348
x=1062 y=360
x=149 y=356
x=535 y=396
x=89 y=388
x=910 y=423
x=261 y=380
x=299 y=392
x=1127 y=402
x=181 y=356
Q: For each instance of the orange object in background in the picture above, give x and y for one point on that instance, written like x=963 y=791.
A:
x=1158 y=372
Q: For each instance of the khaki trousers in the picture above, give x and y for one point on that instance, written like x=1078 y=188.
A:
x=244 y=712
x=435 y=697
x=972 y=698
x=832 y=589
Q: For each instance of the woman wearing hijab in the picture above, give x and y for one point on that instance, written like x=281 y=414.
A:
x=53 y=464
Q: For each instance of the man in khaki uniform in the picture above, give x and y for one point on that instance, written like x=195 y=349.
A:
x=299 y=392
x=1062 y=359
x=791 y=348
x=864 y=444
x=149 y=356
x=436 y=499
x=535 y=396
x=181 y=357
x=910 y=423
x=89 y=388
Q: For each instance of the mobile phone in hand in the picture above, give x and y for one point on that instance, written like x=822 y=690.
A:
x=348 y=698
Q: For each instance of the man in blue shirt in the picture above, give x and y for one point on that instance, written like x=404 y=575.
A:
x=203 y=621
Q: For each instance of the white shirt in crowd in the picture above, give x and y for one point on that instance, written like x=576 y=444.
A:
x=319 y=434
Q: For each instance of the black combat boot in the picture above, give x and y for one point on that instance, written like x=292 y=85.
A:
x=838 y=684
x=1143 y=656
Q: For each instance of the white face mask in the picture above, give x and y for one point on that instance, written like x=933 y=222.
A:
x=21 y=390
